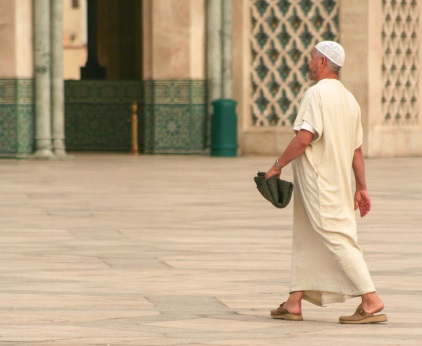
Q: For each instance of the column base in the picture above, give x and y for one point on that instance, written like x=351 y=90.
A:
x=43 y=154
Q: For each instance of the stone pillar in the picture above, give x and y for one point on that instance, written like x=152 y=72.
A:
x=214 y=21
x=214 y=61
x=227 y=49
x=57 y=85
x=42 y=79
x=174 y=118
x=16 y=78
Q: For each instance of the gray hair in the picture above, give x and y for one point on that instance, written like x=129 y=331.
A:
x=331 y=66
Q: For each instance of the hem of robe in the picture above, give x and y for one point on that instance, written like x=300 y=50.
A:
x=321 y=298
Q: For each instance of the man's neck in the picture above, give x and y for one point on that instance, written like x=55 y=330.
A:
x=327 y=75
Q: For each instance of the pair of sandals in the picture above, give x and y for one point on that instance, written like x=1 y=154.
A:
x=359 y=317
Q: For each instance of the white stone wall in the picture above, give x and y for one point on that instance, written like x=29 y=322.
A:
x=382 y=69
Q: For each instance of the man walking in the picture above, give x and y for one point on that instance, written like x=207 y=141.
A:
x=327 y=263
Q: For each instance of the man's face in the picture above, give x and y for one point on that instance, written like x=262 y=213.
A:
x=313 y=66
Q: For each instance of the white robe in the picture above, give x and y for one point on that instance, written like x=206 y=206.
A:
x=327 y=262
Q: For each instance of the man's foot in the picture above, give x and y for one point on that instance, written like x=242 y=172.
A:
x=362 y=317
x=283 y=314
x=372 y=303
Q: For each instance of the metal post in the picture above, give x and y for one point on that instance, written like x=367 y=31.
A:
x=134 y=123
x=42 y=79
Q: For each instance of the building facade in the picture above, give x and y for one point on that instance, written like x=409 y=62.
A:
x=69 y=78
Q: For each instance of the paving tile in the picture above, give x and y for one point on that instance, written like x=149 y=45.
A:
x=111 y=249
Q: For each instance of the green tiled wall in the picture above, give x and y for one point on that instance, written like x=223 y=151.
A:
x=172 y=115
x=16 y=116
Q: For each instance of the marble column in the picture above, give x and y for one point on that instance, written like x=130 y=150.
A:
x=214 y=49
x=227 y=50
x=214 y=61
x=42 y=79
x=57 y=85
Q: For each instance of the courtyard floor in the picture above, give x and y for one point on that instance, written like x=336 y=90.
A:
x=113 y=249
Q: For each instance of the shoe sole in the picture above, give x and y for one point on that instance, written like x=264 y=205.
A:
x=288 y=317
x=367 y=320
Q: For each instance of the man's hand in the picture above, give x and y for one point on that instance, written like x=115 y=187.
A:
x=273 y=171
x=363 y=202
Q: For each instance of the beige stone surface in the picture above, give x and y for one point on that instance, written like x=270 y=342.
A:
x=182 y=250
x=16 y=47
x=173 y=39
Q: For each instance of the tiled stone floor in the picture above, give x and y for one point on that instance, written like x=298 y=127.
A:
x=108 y=249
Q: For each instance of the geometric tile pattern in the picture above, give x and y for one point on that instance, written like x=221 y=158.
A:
x=400 y=62
x=16 y=116
x=282 y=36
x=171 y=115
x=95 y=126
x=175 y=116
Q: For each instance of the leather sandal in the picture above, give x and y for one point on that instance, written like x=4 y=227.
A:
x=362 y=317
x=283 y=314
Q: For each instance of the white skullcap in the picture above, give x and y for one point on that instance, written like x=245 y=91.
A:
x=333 y=51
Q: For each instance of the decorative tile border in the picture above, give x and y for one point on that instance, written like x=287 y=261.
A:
x=172 y=115
x=16 y=116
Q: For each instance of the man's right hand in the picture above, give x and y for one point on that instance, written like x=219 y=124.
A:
x=273 y=171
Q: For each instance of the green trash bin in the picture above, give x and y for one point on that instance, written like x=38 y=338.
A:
x=224 y=128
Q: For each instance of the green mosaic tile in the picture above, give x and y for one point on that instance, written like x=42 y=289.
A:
x=25 y=91
x=284 y=37
x=295 y=86
x=8 y=92
x=262 y=69
x=306 y=36
x=284 y=6
x=198 y=127
x=273 y=21
x=318 y=19
x=273 y=54
x=173 y=131
x=284 y=69
x=272 y=117
x=261 y=37
x=167 y=114
x=262 y=102
x=284 y=102
x=329 y=5
x=16 y=116
x=198 y=92
x=25 y=128
x=281 y=39
x=146 y=124
x=8 y=139
x=97 y=127
x=178 y=129
x=172 y=115
x=261 y=6
x=88 y=91
x=273 y=86
x=306 y=6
